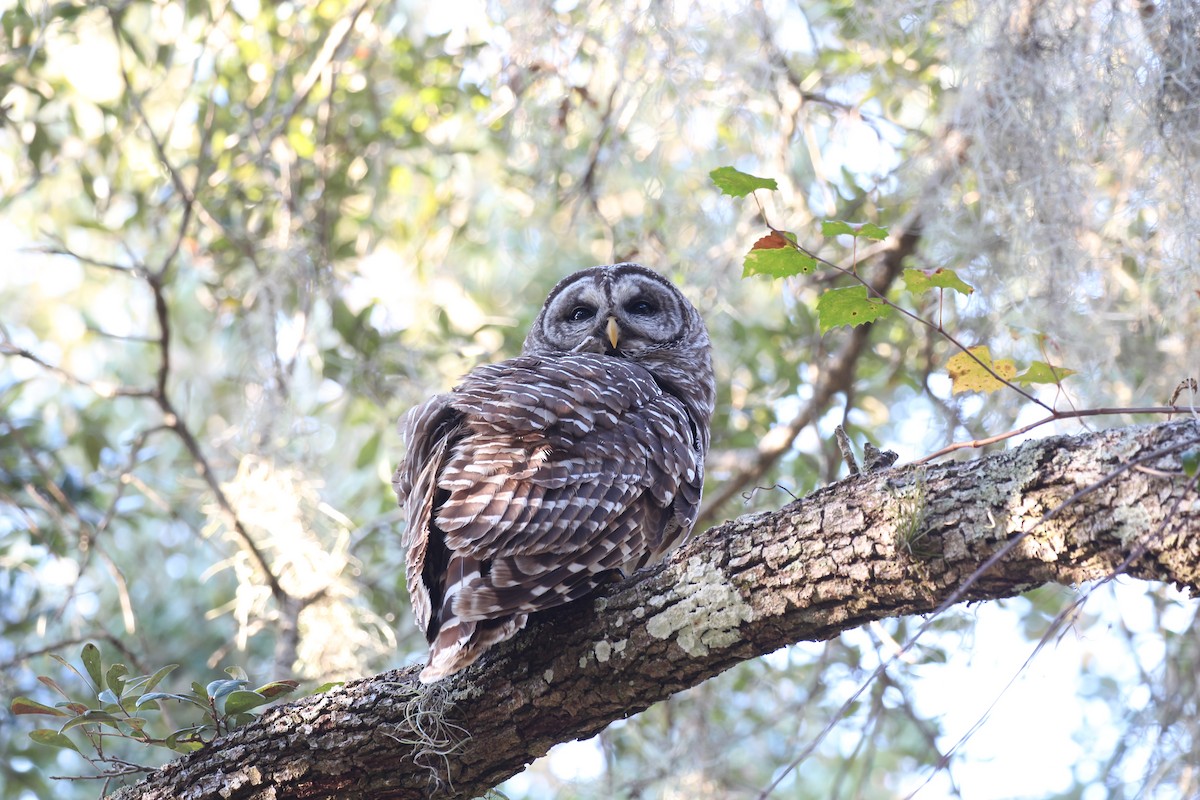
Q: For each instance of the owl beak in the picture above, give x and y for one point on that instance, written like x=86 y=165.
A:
x=613 y=331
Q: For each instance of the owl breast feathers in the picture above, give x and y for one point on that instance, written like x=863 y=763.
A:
x=538 y=477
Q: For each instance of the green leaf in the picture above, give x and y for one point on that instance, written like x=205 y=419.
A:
x=157 y=677
x=91 y=661
x=173 y=742
x=1041 y=372
x=219 y=688
x=865 y=230
x=924 y=280
x=151 y=697
x=237 y=673
x=849 y=306
x=1191 y=462
x=325 y=687
x=367 y=454
x=783 y=262
x=68 y=665
x=108 y=696
x=276 y=689
x=344 y=320
x=93 y=444
x=243 y=700
x=92 y=716
x=53 y=739
x=23 y=705
x=736 y=183
x=115 y=678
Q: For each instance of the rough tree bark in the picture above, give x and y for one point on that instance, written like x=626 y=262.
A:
x=1064 y=509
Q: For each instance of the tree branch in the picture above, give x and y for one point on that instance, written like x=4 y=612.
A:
x=1065 y=509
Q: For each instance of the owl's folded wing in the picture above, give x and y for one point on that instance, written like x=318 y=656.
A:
x=564 y=471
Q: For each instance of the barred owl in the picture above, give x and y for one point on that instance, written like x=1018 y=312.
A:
x=538 y=478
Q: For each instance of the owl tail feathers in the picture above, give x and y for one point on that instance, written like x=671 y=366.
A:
x=450 y=651
x=459 y=642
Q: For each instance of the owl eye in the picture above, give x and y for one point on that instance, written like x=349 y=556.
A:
x=641 y=308
x=580 y=313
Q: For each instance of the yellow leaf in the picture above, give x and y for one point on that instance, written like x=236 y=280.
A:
x=968 y=375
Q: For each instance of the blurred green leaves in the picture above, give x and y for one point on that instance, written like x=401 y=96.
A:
x=117 y=706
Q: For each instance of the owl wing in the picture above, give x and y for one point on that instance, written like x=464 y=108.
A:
x=534 y=478
x=428 y=430
x=571 y=468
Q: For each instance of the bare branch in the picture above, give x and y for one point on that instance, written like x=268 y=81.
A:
x=1054 y=416
x=156 y=280
x=102 y=388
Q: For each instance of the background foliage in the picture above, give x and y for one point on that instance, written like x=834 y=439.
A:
x=338 y=208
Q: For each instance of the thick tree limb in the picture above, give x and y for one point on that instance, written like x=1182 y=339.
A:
x=1065 y=509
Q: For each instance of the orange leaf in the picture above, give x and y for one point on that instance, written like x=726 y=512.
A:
x=772 y=241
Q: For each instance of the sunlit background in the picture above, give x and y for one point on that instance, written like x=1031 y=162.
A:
x=379 y=195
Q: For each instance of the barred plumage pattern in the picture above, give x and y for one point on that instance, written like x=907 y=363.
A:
x=538 y=477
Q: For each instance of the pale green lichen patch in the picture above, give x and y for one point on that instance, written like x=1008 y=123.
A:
x=1016 y=470
x=1133 y=522
x=704 y=612
x=606 y=650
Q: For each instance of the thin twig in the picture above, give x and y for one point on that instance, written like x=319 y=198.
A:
x=875 y=294
x=1054 y=416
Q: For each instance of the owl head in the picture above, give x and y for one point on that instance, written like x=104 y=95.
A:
x=631 y=312
x=622 y=310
